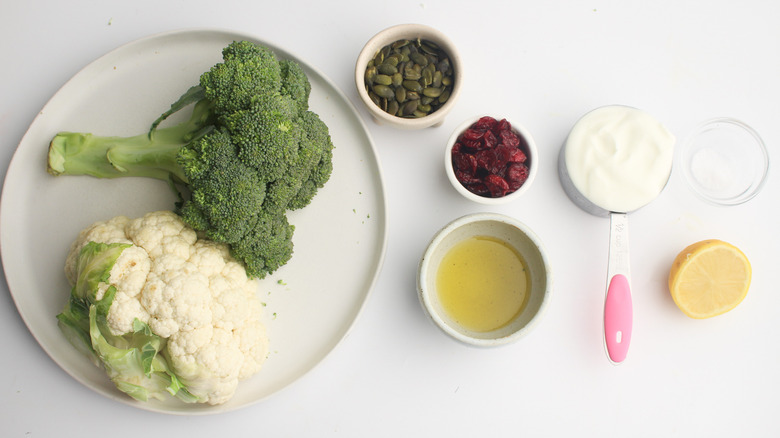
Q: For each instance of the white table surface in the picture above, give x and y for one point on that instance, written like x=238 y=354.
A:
x=543 y=63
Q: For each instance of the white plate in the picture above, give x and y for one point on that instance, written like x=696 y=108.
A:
x=312 y=302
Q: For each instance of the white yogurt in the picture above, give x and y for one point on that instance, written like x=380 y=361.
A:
x=619 y=157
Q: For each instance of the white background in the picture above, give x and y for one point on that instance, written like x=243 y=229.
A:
x=544 y=64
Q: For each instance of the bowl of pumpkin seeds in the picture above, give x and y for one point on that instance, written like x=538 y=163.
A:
x=409 y=76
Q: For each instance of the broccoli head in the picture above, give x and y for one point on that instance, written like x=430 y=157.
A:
x=250 y=151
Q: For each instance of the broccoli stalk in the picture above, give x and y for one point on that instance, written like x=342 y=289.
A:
x=250 y=151
x=151 y=155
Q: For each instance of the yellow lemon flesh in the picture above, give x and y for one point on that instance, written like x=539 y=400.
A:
x=709 y=278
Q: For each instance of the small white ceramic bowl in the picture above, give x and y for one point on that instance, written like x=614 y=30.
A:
x=510 y=231
x=529 y=148
x=410 y=32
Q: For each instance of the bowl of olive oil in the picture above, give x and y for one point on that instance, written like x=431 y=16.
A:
x=484 y=279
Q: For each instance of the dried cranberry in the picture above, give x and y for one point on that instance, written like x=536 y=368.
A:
x=516 y=175
x=473 y=134
x=498 y=186
x=504 y=155
x=466 y=178
x=485 y=122
x=488 y=160
x=479 y=188
x=509 y=138
x=489 y=140
x=476 y=145
x=517 y=156
x=465 y=162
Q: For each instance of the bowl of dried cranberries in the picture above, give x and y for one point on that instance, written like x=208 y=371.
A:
x=491 y=160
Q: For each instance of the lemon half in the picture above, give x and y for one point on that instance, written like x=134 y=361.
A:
x=709 y=278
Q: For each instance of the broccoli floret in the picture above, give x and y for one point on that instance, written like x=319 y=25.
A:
x=225 y=194
x=269 y=244
x=295 y=83
x=267 y=135
x=251 y=151
x=284 y=189
x=248 y=70
x=307 y=169
x=320 y=171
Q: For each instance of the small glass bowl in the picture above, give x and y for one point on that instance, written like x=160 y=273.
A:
x=725 y=162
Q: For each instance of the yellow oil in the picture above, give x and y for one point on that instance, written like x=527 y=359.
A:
x=482 y=283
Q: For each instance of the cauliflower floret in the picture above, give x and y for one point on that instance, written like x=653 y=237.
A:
x=209 y=257
x=254 y=352
x=162 y=233
x=213 y=370
x=188 y=290
x=177 y=303
x=128 y=276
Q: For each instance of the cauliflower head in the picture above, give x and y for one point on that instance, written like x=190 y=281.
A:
x=166 y=282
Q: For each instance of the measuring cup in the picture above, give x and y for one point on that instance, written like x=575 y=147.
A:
x=615 y=160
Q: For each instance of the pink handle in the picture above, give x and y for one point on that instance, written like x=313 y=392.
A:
x=618 y=318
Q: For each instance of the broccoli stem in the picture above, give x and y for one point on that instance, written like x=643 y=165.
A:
x=73 y=153
x=151 y=155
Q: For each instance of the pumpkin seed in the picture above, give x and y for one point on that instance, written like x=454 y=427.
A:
x=411 y=73
x=400 y=94
x=374 y=98
x=384 y=91
x=429 y=47
x=392 y=107
x=432 y=92
x=387 y=68
x=443 y=65
x=400 y=43
x=383 y=79
x=437 y=79
x=410 y=107
x=419 y=58
x=370 y=74
x=444 y=96
x=412 y=86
